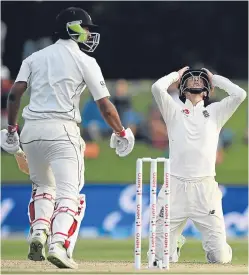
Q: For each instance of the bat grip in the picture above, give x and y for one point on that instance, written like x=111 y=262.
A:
x=20 y=153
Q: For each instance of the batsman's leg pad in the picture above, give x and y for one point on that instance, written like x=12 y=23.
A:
x=81 y=213
x=41 y=208
x=66 y=222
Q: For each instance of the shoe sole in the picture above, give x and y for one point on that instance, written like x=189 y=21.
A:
x=55 y=260
x=36 y=251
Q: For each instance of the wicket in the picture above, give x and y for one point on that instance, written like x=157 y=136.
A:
x=153 y=200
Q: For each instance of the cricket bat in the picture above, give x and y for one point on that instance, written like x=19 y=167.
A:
x=22 y=161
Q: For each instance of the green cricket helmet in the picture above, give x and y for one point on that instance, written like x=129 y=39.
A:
x=72 y=23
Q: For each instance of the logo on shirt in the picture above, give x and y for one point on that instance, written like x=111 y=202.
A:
x=212 y=212
x=186 y=112
x=102 y=83
x=206 y=113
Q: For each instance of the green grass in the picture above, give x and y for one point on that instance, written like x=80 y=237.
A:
x=122 y=250
x=232 y=170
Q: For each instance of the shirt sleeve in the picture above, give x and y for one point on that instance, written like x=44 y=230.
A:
x=165 y=102
x=226 y=107
x=25 y=71
x=95 y=81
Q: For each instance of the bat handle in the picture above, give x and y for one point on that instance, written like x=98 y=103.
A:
x=20 y=153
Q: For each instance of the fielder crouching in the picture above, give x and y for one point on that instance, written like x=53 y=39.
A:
x=193 y=131
x=56 y=77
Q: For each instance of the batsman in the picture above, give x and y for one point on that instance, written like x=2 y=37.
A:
x=193 y=131
x=55 y=77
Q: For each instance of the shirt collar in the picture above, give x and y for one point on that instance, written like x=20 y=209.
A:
x=189 y=104
x=68 y=42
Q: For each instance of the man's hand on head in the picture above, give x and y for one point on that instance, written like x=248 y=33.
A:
x=210 y=77
x=182 y=71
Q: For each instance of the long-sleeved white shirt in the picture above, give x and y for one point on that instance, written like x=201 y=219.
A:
x=193 y=131
x=56 y=77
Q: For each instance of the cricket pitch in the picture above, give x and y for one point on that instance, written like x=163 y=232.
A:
x=115 y=267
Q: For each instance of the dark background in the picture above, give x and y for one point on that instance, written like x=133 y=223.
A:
x=143 y=39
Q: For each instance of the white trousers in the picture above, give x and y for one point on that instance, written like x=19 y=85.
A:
x=200 y=201
x=54 y=151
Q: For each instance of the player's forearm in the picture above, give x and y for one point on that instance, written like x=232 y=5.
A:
x=110 y=114
x=159 y=89
x=14 y=100
x=13 y=108
x=163 y=83
x=232 y=89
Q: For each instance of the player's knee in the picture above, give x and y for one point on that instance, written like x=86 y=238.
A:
x=69 y=205
x=66 y=204
x=69 y=192
x=46 y=190
x=222 y=256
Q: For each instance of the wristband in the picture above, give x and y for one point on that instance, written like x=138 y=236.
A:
x=121 y=133
x=12 y=128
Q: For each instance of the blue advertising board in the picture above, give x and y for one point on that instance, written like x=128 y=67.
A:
x=111 y=208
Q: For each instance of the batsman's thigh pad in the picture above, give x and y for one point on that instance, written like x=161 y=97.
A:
x=67 y=165
x=66 y=159
x=41 y=207
x=40 y=171
x=66 y=221
x=178 y=217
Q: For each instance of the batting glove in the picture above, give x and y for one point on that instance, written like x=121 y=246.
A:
x=10 y=140
x=123 y=142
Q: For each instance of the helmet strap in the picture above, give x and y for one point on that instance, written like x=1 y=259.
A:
x=195 y=91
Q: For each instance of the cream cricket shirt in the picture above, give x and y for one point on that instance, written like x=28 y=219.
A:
x=194 y=130
x=56 y=76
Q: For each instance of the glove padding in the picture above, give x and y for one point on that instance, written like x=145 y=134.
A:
x=123 y=145
x=10 y=141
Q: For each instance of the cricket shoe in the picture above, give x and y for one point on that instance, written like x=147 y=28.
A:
x=155 y=264
x=180 y=242
x=57 y=255
x=37 y=243
x=158 y=264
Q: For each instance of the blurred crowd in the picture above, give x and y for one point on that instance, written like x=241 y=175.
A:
x=148 y=128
